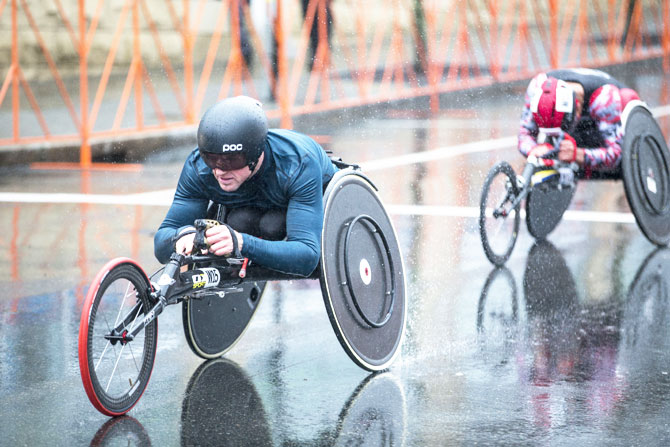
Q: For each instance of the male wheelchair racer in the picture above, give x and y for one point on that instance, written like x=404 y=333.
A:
x=360 y=272
x=547 y=186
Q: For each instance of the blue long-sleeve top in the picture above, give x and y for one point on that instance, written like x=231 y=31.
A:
x=292 y=176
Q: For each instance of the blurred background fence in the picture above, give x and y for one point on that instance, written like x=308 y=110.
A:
x=76 y=72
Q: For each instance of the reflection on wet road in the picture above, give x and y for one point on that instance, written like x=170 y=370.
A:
x=585 y=358
x=223 y=407
x=568 y=344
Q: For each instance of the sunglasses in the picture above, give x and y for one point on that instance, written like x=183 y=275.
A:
x=225 y=162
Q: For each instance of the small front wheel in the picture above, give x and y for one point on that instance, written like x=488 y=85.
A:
x=116 y=366
x=498 y=220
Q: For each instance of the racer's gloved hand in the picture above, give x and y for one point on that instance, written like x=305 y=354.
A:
x=540 y=150
x=220 y=240
x=184 y=241
x=567 y=151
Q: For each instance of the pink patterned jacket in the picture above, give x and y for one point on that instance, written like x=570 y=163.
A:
x=603 y=106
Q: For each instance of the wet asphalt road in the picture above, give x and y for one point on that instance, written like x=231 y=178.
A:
x=568 y=345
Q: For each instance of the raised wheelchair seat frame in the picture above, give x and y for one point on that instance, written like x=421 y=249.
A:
x=362 y=283
x=645 y=171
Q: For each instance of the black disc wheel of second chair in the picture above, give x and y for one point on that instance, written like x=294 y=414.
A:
x=545 y=205
x=646 y=173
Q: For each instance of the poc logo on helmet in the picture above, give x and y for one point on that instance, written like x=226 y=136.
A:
x=231 y=147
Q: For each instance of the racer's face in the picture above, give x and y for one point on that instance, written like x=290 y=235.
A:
x=230 y=180
x=579 y=98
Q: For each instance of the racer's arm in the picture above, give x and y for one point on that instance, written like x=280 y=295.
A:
x=299 y=253
x=605 y=108
x=189 y=203
x=528 y=130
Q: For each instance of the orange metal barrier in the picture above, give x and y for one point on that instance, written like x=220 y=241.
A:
x=386 y=51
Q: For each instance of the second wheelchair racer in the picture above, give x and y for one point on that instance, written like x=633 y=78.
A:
x=586 y=105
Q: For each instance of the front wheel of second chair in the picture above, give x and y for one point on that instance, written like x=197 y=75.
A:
x=498 y=218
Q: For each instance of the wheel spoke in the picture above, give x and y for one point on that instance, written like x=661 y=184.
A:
x=132 y=327
x=116 y=364
x=120 y=354
x=500 y=220
x=102 y=355
x=125 y=295
x=498 y=226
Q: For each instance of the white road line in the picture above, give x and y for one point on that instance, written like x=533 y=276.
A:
x=439 y=153
x=599 y=216
x=155 y=198
x=661 y=111
x=429 y=210
x=473 y=212
x=164 y=198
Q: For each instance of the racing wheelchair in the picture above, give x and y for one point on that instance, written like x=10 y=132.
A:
x=547 y=187
x=360 y=272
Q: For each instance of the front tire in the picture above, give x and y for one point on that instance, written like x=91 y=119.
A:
x=498 y=221
x=115 y=369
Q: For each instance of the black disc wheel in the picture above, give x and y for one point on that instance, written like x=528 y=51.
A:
x=545 y=205
x=215 y=320
x=361 y=272
x=116 y=365
x=646 y=174
x=498 y=219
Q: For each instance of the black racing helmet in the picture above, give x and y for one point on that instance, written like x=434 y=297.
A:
x=232 y=133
